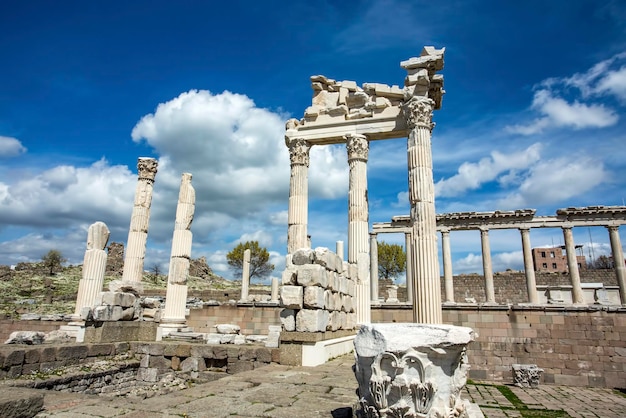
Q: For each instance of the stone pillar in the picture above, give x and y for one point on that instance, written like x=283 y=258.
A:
x=94 y=267
x=245 y=276
x=426 y=282
x=618 y=261
x=176 y=296
x=339 y=249
x=409 y=268
x=140 y=218
x=274 y=297
x=298 y=194
x=490 y=294
x=529 y=268
x=374 y=266
x=572 y=265
x=448 y=282
x=358 y=226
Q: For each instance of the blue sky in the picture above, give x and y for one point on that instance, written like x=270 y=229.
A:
x=533 y=117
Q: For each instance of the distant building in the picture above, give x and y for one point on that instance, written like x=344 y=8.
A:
x=553 y=260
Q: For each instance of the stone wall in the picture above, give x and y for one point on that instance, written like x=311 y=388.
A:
x=575 y=346
x=252 y=320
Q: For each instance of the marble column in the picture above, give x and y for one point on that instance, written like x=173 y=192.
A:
x=529 y=268
x=274 y=297
x=426 y=291
x=176 y=296
x=339 y=249
x=490 y=295
x=374 y=266
x=448 y=282
x=572 y=265
x=94 y=267
x=409 y=268
x=358 y=222
x=245 y=276
x=139 y=221
x=618 y=261
x=298 y=194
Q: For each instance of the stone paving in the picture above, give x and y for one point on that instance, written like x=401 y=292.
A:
x=323 y=391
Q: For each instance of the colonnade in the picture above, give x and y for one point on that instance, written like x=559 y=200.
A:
x=610 y=217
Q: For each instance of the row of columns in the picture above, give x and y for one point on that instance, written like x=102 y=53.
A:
x=529 y=269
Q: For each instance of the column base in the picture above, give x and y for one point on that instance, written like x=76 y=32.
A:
x=165 y=329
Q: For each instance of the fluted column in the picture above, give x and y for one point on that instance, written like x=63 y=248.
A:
x=358 y=218
x=274 y=296
x=448 y=283
x=426 y=282
x=618 y=261
x=529 y=269
x=139 y=221
x=94 y=267
x=245 y=276
x=490 y=294
x=374 y=266
x=176 y=296
x=298 y=194
x=572 y=265
x=409 y=268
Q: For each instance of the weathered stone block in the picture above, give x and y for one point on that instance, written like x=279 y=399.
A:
x=122 y=299
x=289 y=276
x=312 y=275
x=20 y=402
x=72 y=352
x=311 y=320
x=26 y=337
x=288 y=319
x=204 y=351
x=291 y=297
x=314 y=297
x=147 y=374
x=107 y=313
x=193 y=364
x=350 y=287
x=227 y=329
x=303 y=256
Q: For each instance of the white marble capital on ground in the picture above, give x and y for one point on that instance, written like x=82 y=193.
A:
x=411 y=370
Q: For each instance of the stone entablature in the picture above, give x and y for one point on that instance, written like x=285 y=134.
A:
x=374 y=109
x=317 y=292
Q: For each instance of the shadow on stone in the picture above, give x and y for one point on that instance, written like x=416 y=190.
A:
x=345 y=412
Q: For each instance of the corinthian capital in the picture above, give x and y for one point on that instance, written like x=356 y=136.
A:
x=147 y=168
x=298 y=151
x=358 y=146
x=418 y=111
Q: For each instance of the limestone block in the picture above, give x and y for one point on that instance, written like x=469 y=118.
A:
x=273 y=340
x=350 y=320
x=333 y=283
x=291 y=297
x=324 y=257
x=342 y=286
x=329 y=301
x=288 y=319
x=227 y=338
x=128 y=314
x=193 y=364
x=148 y=374
x=350 y=287
x=255 y=338
x=26 y=337
x=333 y=321
x=227 y=329
x=353 y=271
x=150 y=303
x=122 y=299
x=213 y=338
x=314 y=297
x=127 y=286
x=108 y=313
x=338 y=301
x=312 y=275
x=303 y=256
x=311 y=320
x=347 y=303
x=150 y=312
x=343 y=318
x=289 y=276
x=428 y=363
x=85 y=314
x=239 y=340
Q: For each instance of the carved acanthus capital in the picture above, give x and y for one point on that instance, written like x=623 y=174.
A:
x=147 y=168
x=357 y=146
x=298 y=151
x=418 y=112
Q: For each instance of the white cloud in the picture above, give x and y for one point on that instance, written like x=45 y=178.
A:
x=10 y=147
x=472 y=176
x=599 y=82
x=473 y=263
x=555 y=181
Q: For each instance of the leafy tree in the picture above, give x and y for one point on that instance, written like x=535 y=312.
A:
x=391 y=260
x=259 y=259
x=53 y=260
